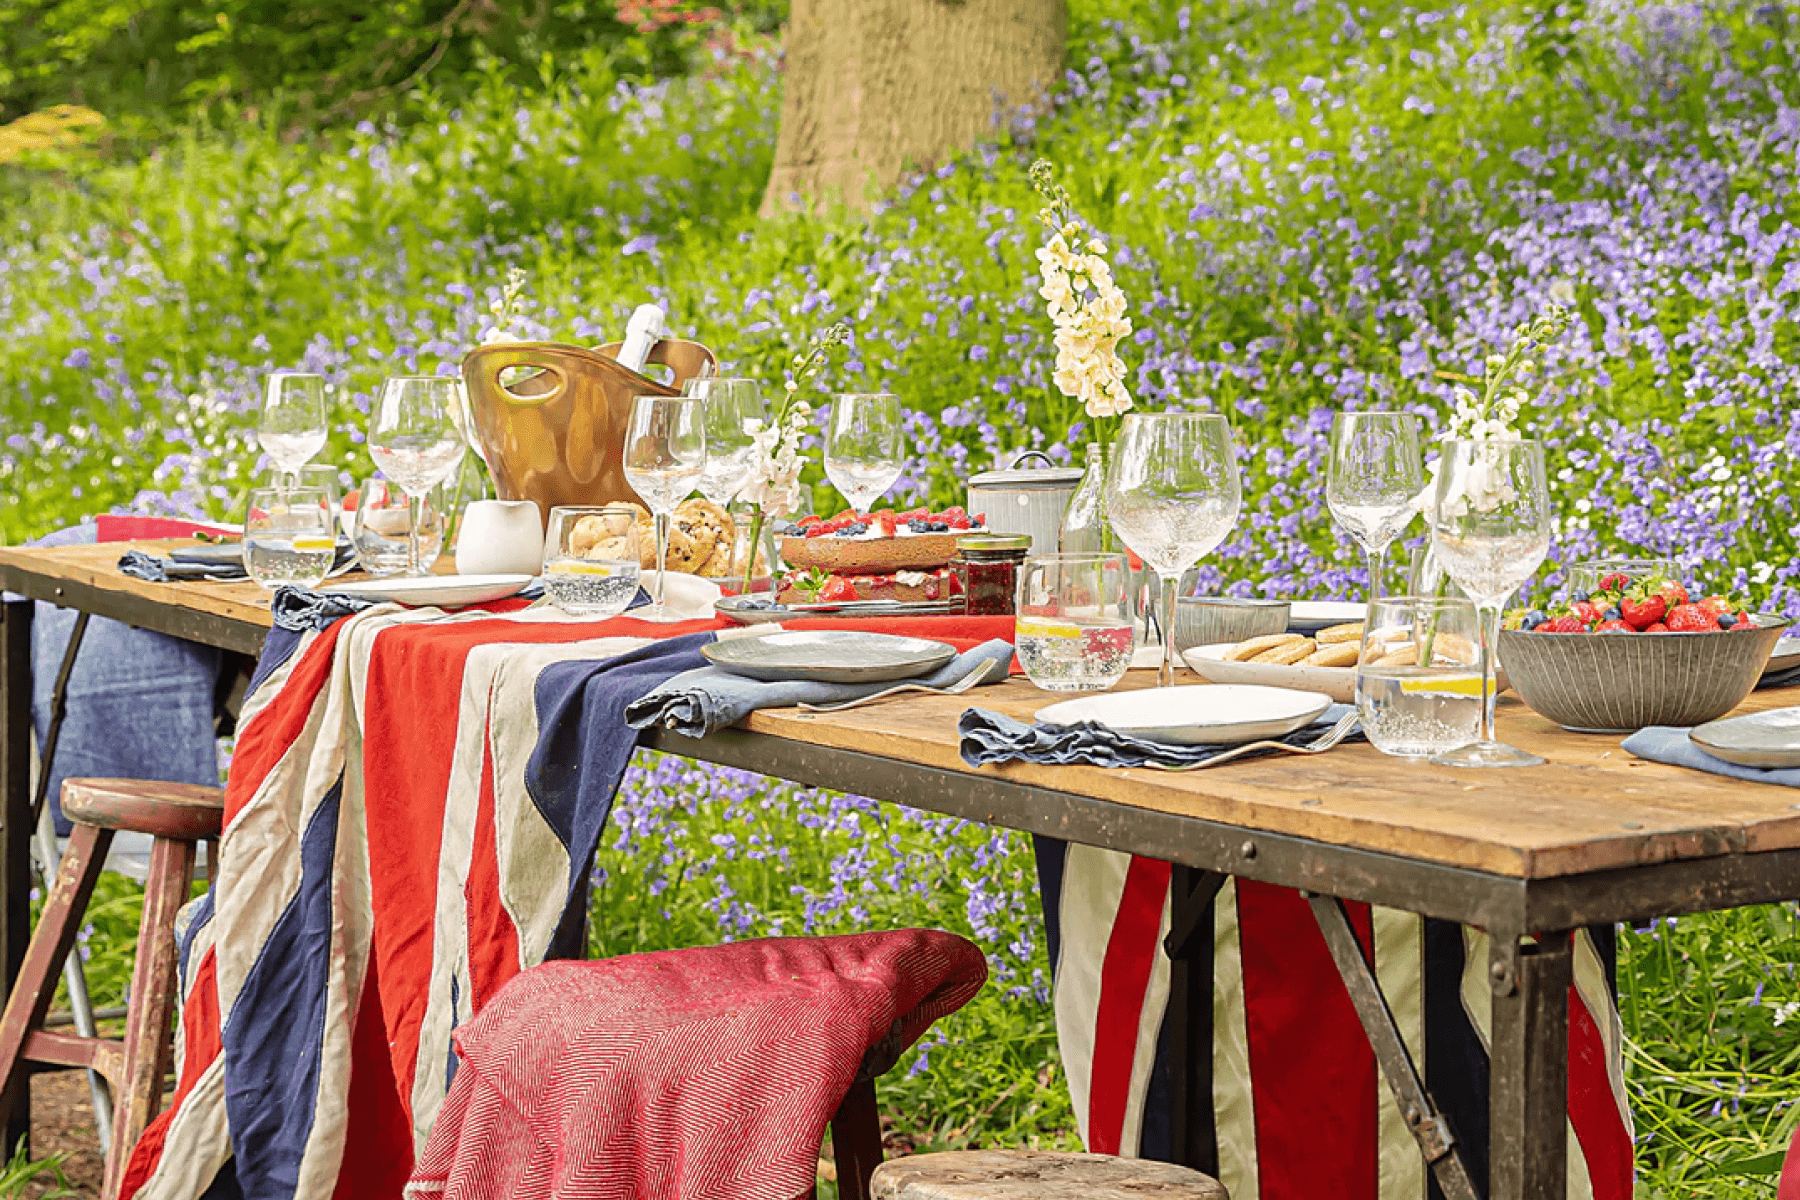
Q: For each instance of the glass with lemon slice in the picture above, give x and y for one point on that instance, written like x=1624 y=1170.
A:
x=592 y=559
x=1418 y=676
x=1074 y=626
x=290 y=535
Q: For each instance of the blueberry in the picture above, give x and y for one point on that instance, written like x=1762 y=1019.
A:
x=1534 y=618
x=858 y=527
x=1611 y=614
x=940 y=527
x=1727 y=621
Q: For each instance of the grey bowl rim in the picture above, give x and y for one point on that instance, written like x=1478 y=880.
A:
x=1235 y=601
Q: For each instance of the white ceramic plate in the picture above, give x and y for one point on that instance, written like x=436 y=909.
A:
x=1339 y=683
x=829 y=656
x=1194 y=716
x=1209 y=663
x=439 y=591
x=1310 y=616
x=1764 y=739
x=1787 y=654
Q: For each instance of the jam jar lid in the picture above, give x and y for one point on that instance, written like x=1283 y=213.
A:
x=994 y=545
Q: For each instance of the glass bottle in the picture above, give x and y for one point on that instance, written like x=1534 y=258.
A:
x=1084 y=528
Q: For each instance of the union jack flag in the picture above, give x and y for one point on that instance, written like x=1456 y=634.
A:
x=1299 y=1109
x=404 y=832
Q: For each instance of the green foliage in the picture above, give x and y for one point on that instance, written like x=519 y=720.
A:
x=23 y=1172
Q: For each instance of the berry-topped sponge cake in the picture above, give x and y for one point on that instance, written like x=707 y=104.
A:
x=873 y=556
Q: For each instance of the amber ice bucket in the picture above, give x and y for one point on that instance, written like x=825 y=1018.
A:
x=550 y=419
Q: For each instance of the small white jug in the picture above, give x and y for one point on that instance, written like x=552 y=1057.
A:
x=500 y=537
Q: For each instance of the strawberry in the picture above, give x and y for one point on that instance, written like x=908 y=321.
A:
x=1567 y=623
x=921 y=513
x=819 y=529
x=886 y=523
x=1589 y=614
x=806 y=522
x=1614 y=627
x=837 y=590
x=1718 y=604
x=1616 y=584
x=1655 y=627
x=1673 y=593
x=1642 y=609
x=980 y=520
x=1744 y=620
x=955 y=510
x=1691 y=618
x=958 y=521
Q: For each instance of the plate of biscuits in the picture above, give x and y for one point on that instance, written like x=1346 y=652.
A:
x=1324 y=661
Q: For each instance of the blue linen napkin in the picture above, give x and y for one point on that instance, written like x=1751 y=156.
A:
x=201 y=563
x=991 y=737
x=1775 y=679
x=697 y=702
x=1671 y=744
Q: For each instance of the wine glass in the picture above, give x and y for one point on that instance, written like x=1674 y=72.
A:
x=414 y=440
x=863 y=453
x=1373 y=481
x=1490 y=527
x=292 y=428
x=729 y=404
x=665 y=459
x=1172 y=495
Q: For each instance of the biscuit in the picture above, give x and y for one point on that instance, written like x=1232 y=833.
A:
x=1405 y=656
x=1245 y=651
x=1336 y=654
x=1287 y=653
x=1455 y=650
x=1351 y=632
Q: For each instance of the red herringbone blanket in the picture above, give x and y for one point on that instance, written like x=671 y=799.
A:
x=680 y=1075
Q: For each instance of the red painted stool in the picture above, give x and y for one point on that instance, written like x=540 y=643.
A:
x=179 y=817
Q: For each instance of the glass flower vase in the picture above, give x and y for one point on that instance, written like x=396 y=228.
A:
x=1084 y=526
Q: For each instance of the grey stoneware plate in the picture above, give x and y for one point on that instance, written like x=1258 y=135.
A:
x=828 y=656
x=1764 y=739
x=1785 y=655
x=1213 y=715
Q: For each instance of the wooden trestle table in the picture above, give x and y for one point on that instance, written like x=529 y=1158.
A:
x=1592 y=837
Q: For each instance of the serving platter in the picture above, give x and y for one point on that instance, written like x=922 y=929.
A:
x=1764 y=739
x=828 y=656
x=1194 y=716
x=1339 y=683
x=436 y=591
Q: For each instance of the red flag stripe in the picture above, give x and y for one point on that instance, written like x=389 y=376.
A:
x=1131 y=952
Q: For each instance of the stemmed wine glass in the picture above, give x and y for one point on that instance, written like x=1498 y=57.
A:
x=1172 y=495
x=1373 y=481
x=292 y=427
x=414 y=441
x=863 y=447
x=730 y=403
x=665 y=459
x=1490 y=527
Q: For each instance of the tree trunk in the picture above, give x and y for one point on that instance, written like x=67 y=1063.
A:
x=875 y=86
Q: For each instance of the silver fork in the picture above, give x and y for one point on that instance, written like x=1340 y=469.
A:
x=1344 y=728
x=954 y=689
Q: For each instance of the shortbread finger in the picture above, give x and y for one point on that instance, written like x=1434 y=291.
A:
x=1339 y=654
x=1406 y=656
x=1287 y=653
x=1351 y=632
x=1245 y=651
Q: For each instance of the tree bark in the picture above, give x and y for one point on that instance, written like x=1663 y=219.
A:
x=873 y=87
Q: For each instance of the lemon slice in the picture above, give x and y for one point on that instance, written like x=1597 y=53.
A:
x=601 y=570
x=1040 y=627
x=1458 y=685
x=314 y=543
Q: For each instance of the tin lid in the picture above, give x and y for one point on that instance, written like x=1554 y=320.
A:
x=993 y=543
x=1046 y=478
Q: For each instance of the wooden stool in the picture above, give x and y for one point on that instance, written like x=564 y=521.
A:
x=1038 y=1175
x=179 y=816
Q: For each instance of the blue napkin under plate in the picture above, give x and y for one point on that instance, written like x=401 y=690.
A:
x=1671 y=744
x=697 y=702
x=1775 y=679
x=991 y=737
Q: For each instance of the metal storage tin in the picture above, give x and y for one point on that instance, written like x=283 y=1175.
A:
x=1028 y=501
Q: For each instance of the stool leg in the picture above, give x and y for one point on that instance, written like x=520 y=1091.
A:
x=153 y=989
x=856 y=1140
x=57 y=928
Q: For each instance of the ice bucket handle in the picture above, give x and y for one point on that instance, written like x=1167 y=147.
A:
x=488 y=367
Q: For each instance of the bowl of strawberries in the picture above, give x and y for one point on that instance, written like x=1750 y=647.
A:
x=1637 y=651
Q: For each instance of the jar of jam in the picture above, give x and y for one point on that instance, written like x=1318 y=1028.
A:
x=987 y=566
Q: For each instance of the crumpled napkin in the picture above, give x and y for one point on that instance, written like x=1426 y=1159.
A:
x=991 y=737
x=695 y=703
x=1671 y=744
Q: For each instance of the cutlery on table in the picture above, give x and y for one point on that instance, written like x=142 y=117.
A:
x=955 y=689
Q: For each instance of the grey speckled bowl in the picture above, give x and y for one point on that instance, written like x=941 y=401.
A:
x=1621 y=682
x=1207 y=620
